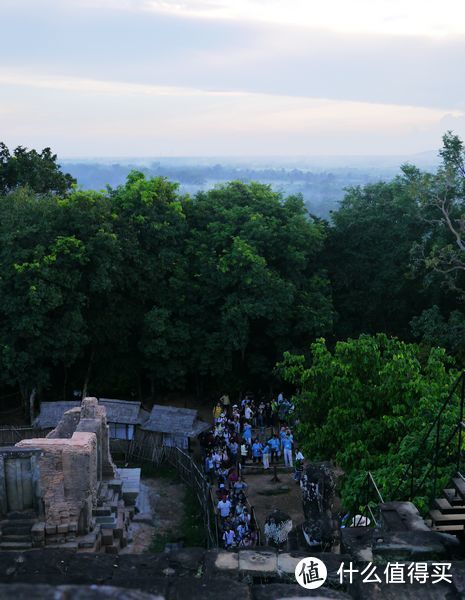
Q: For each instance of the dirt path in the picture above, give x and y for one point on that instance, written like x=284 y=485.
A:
x=161 y=511
x=265 y=496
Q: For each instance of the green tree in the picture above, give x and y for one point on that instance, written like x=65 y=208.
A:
x=256 y=284
x=368 y=258
x=37 y=170
x=368 y=404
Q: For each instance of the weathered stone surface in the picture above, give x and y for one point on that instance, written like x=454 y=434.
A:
x=253 y=562
x=19 y=591
x=287 y=563
x=357 y=541
x=410 y=545
x=407 y=591
x=401 y=516
x=68 y=475
x=227 y=561
x=280 y=591
x=189 y=588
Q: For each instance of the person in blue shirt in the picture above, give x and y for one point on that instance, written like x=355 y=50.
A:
x=256 y=451
x=287 y=447
x=247 y=435
x=275 y=448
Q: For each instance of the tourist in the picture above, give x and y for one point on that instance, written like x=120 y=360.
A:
x=287 y=447
x=247 y=433
x=234 y=449
x=299 y=465
x=244 y=453
x=266 y=456
x=275 y=448
x=256 y=451
x=239 y=486
x=229 y=537
x=261 y=415
x=217 y=410
x=224 y=508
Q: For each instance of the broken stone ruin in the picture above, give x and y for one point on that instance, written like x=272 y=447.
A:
x=64 y=490
x=318 y=486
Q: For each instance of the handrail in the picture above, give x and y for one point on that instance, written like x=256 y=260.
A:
x=373 y=482
x=435 y=424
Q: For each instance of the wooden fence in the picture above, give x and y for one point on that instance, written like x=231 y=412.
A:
x=146 y=449
x=11 y=434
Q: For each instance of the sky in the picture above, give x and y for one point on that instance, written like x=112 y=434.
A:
x=231 y=78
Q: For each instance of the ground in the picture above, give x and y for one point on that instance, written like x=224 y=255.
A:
x=265 y=496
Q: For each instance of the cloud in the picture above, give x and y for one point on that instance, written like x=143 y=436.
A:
x=120 y=118
x=393 y=17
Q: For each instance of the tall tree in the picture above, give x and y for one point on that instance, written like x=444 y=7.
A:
x=368 y=405
x=368 y=258
x=38 y=171
x=257 y=286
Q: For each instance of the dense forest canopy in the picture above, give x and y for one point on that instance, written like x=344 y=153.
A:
x=141 y=289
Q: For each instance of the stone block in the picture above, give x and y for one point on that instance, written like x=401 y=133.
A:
x=38 y=531
x=287 y=563
x=107 y=537
x=227 y=561
x=50 y=529
x=62 y=529
x=254 y=562
x=72 y=527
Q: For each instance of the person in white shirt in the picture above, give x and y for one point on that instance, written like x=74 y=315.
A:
x=228 y=537
x=224 y=507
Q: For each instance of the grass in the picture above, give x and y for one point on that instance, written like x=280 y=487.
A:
x=190 y=531
x=192 y=527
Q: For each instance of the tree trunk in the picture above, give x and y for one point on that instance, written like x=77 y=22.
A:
x=87 y=379
x=65 y=381
x=32 y=399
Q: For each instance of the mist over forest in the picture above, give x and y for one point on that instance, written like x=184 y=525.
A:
x=321 y=181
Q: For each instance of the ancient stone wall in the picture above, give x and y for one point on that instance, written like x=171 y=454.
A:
x=68 y=474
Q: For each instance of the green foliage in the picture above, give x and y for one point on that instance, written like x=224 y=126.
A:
x=138 y=289
x=368 y=258
x=38 y=171
x=368 y=405
x=257 y=287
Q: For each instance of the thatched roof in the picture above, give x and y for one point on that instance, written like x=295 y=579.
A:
x=52 y=412
x=123 y=411
x=176 y=421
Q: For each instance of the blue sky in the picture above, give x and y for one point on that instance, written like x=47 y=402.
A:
x=231 y=77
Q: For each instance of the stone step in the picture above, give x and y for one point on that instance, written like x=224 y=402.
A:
x=16 y=529
x=452 y=496
x=459 y=485
x=449 y=528
x=440 y=519
x=16 y=538
x=88 y=541
x=446 y=507
x=101 y=511
x=113 y=548
x=24 y=515
x=15 y=545
x=104 y=520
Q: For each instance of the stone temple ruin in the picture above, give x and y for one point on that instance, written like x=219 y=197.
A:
x=65 y=489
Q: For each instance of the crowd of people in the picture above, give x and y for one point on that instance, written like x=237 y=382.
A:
x=259 y=432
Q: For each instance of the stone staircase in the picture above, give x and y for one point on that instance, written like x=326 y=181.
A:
x=16 y=532
x=111 y=518
x=448 y=514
